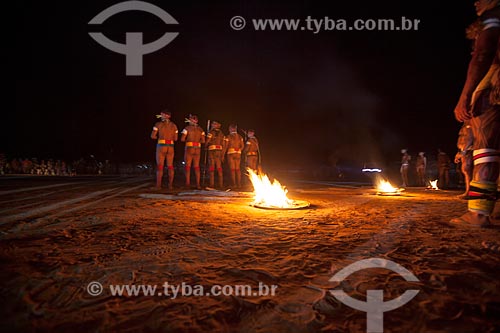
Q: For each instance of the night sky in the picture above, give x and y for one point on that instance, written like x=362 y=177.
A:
x=360 y=95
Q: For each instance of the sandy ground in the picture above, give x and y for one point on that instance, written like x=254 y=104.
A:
x=59 y=235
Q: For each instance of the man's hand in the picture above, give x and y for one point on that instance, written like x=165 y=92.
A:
x=463 y=110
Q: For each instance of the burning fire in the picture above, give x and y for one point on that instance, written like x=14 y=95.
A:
x=385 y=187
x=272 y=195
x=434 y=184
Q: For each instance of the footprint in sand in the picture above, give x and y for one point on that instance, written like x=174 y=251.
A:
x=166 y=248
x=157 y=251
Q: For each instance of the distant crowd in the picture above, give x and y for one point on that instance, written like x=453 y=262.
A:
x=52 y=167
x=88 y=165
x=34 y=167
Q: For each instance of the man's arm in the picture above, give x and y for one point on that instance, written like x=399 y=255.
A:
x=154 y=133
x=246 y=147
x=225 y=144
x=184 y=134
x=484 y=52
x=242 y=143
x=208 y=139
x=202 y=138
x=176 y=133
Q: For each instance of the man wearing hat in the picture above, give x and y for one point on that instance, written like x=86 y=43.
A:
x=165 y=131
x=233 y=147
x=251 y=150
x=215 y=146
x=193 y=136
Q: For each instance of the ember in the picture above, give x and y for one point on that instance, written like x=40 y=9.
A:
x=272 y=195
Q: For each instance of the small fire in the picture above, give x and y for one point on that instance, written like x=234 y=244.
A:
x=434 y=184
x=272 y=195
x=385 y=187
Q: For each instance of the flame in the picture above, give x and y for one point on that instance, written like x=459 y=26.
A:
x=385 y=187
x=269 y=194
x=434 y=184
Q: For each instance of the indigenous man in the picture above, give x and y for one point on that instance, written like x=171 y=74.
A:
x=234 y=145
x=193 y=136
x=251 y=150
x=421 y=166
x=405 y=165
x=443 y=162
x=464 y=155
x=479 y=104
x=215 y=145
x=165 y=131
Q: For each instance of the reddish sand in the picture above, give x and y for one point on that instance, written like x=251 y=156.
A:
x=56 y=240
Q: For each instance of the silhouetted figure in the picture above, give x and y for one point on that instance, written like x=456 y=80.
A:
x=464 y=155
x=193 y=135
x=421 y=167
x=251 y=151
x=405 y=166
x=479 y=104
x=215 y=149
x=443 y=162
x=234 y=146
x=165 y=131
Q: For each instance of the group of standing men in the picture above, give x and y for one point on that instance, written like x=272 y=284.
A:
x=219 y=148
x=443 y=165
x=478 y=107
x=421 y=166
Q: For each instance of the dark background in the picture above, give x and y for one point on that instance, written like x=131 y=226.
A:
x=352 y=95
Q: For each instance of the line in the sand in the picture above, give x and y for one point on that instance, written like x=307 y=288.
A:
x=189 y=197
x=97 y=201
x=46 y=209
x=72 y=188
x=27 y=198
x=10 y=209
x=49 y=208
x=353 y=185
x=37 y=188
